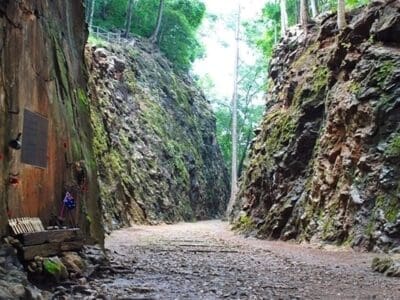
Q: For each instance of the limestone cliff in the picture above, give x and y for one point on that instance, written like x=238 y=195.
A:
x=43 y=77
x=325 y=162
x=154 y=139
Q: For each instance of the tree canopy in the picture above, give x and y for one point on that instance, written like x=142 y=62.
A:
x=266 y=31
x=178 y=31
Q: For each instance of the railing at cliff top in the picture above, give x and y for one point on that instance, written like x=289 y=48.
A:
x=110 y=37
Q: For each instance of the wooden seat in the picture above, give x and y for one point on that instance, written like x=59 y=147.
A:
x=37 y=241
x=25 y=225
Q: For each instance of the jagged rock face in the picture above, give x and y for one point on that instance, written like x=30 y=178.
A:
x=42 y=69
x=154 y=140
x=325 y=162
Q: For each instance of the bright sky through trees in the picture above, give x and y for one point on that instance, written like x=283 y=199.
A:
x=219 y=40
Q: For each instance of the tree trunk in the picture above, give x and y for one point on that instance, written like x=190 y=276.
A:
x=341 y=15
x=234 y=175
x=284 y=17
x=128 y=22
x=241 y=162
x=91 y=14
x=304 y=14
x=87 y=11
x=154 y=36
x=314 y=8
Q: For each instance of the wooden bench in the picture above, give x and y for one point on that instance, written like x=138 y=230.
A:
x=36 y=241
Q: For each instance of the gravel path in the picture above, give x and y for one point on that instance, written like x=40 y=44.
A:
x=205 y=260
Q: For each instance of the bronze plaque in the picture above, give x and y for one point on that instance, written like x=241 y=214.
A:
x=34 y=139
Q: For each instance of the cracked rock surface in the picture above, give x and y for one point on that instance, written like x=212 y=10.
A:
x=325 y=162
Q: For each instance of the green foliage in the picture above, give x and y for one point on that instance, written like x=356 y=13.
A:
x=92 y=40
x=249 y=115
x=321 y=77
x=384 y=72
x=272 y=32
x=244 y=223
x=251 y=87
x=178 y=39
x=331 y=5
x=356 y=3
x=51 y=266
x=354 y=87
x=268 y=28
x=389 y=205
x=110 y=14
x=178 y=32
x=393 y=148
x=271 y=25
x=223 y=115
x=283 y=128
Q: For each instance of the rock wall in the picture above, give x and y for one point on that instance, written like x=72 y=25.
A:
x=325 y=163
x=42 y=69
x=155 y=139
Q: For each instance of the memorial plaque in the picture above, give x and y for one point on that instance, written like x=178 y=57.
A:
x=34 y=139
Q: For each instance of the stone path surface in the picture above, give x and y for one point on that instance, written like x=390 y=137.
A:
x=207 y=261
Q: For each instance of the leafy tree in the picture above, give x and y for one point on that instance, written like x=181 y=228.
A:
x=178 y=40
x=110 y=14
x=251 y=85
x=177 y=30
x=234 y=111
x=128 y=22
x=156 y=33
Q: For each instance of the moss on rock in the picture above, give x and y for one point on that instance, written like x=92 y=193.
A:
x=154 y=139
x=324 y=164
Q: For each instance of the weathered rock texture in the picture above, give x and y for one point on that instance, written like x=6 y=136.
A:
x=13 y=280
x=325 y=162
x=42 y=69
x=154 y=140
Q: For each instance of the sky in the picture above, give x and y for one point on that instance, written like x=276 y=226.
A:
x=219 y=42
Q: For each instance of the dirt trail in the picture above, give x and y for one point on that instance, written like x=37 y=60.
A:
x=207 y=261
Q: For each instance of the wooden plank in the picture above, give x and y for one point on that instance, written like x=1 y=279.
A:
x=50 y=249
x=51 y=236
x=25 y=225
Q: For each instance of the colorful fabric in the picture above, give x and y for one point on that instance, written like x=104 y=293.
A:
x=69 y=201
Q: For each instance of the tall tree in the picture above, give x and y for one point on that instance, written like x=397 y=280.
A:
x=234 y=170
x=304 y=14
x=154 y=36
x=314 y=8
x=128 y=18
x=341 y=14
x=87 y=11
x=91 y=14
x=284 y=17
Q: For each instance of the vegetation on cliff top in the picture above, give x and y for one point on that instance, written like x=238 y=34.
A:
x=177 y=36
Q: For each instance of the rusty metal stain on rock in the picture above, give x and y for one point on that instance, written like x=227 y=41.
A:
x=34 y=139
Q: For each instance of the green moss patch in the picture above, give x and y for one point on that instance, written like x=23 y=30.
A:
x=282 y=128
x=384 y=71
x=389 y=205
x=244 y=224
x=393 y=148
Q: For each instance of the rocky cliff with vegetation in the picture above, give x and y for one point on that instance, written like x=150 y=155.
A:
x=325 y=163
x=42 y=72
x=154 y=141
